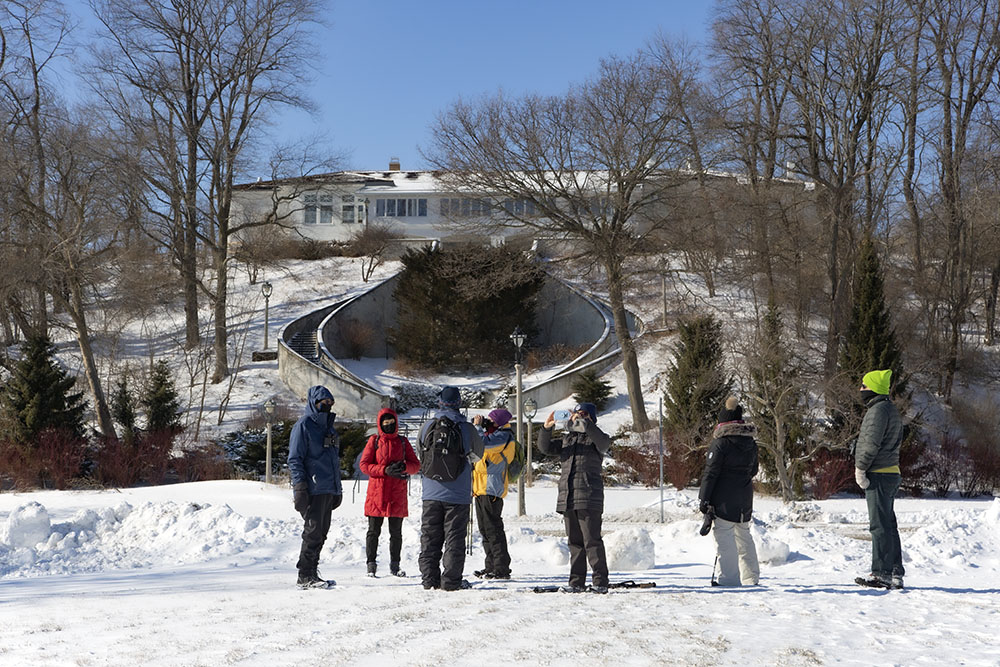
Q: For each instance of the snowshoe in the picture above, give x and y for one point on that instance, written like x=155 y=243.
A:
x=462 y=586
x=313 y=581
x=398 y=573
x=874 y=581
x=572 y=589
x=483 y=574
x=601 y=590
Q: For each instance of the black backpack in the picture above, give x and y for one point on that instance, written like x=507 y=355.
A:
x=442 y=456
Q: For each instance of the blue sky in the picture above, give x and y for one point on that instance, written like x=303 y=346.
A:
x=388 y=68
x=385 y=69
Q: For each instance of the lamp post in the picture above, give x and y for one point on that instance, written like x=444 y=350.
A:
x=266 y=289
x=269 y=410
x=518 y=338
x=530 y=408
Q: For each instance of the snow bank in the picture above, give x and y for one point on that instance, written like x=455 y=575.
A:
x=123 y=536
x=630 y=549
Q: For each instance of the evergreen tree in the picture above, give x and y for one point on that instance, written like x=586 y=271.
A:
x=775 y=402
x=39 y=396
x=870 y=339
x=696 y=386
x=160 y=401
x=589 y=388
x=455 y=305
x=123 y=409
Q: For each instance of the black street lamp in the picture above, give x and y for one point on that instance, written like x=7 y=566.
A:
x=518 y=337
x=266 y=289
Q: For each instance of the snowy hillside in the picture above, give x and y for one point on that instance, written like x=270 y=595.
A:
x=202 y=574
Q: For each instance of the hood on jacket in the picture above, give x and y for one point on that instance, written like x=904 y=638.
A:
x=316 y=393
x=735 y=428
x=378 y=420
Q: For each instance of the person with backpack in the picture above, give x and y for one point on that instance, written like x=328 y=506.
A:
x=388 y=460
x=876 y=469
x=727 y=494
x=448 y=446
x=581 y=453
x=489 y=486
x=314 y=466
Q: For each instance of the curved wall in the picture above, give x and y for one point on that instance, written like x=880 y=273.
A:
x=569 y=317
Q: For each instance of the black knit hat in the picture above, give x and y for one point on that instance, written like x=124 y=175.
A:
x=731 y=411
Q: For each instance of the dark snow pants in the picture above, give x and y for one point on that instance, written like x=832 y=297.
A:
x=317 y=525
x=887 y=554
x=395 y=540
x=489 y=510
x=443 y=528
x=583 y=532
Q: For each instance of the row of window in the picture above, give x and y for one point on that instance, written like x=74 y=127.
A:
x=401 y=208
x=318 y=209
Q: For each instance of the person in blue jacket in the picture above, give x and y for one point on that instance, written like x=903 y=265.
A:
x=445 y=514
x=314 y=464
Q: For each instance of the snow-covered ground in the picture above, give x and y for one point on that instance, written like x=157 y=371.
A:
x=203 y=574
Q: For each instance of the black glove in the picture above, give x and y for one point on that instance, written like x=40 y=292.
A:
x=336 y=502
x=396 y=469
x=703 y=507
x=300 y=496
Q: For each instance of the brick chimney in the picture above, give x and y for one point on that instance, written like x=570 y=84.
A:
x=394 y=164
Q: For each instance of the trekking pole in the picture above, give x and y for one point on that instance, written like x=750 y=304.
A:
x=713 y=569
x=468 y=539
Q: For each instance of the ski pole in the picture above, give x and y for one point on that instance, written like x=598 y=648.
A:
x=713 y=568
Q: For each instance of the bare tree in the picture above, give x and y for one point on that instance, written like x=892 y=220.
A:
x=370 y=244
x=965 y=38
x=594 y=166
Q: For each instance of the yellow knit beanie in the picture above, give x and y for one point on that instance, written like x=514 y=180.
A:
x=878 y=381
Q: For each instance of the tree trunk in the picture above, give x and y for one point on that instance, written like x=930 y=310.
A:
x=630 y=362
x=75 y=307
x=220 y=344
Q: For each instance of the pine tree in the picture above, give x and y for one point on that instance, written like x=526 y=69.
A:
x=775 y=402
x=589 y=388
x=123 y=409
x=39 y=396
x=870 y=339
x=696 y=385
x=160 y=401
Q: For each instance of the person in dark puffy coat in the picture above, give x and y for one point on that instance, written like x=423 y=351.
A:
x=388 y=459
x=581 y=493
x=727 y=492
x=314 y=465
x=876 y=469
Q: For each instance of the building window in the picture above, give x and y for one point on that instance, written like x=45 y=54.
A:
x=325 y=209
x=379 y=207
x=347 y=209
x=309 y=212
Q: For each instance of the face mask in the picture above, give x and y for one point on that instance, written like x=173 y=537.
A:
x=389 y=427
x=324 y=407
x=867 y=395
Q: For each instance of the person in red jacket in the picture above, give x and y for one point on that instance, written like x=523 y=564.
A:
x=388 y=460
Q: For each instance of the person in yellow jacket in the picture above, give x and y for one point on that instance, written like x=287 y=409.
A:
x=489 y=486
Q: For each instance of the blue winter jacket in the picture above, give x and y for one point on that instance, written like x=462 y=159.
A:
x=314 y=447
x=459 y=490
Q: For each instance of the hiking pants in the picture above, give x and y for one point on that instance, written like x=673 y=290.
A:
x=395 y=539
x=443 y=528
x=317 y=525
x=583 y=532
x=488 y=512
x=737 y=555
x=887 y=554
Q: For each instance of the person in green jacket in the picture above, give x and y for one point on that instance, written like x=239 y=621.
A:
x=876 y=463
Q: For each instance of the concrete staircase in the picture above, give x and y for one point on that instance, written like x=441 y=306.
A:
x=305 y=344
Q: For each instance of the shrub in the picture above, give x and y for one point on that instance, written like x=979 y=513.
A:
x=202 y=463
x=57 y=456
x=589 y=388
x=831 y=472
x=356 y=337
x=636 y=461
x=145 y=459
x=246 y=450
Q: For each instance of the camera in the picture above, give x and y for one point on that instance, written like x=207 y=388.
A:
x=577 y=425
x=487 y=424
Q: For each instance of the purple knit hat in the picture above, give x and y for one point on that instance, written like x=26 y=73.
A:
x=500 y=416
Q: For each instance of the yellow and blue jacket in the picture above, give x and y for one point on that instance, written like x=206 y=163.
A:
x=489 y=476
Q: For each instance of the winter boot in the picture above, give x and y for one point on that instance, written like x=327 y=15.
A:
x=572 y=589
x=372 y=567
x=896 y=583
x=603 y=590
x=483 y=574
x=395 y=571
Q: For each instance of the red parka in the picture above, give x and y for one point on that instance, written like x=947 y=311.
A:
x=387 y=495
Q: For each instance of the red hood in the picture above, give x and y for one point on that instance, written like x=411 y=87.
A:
x=378 y=421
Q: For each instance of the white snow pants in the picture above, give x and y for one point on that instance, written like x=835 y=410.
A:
x=737 y=554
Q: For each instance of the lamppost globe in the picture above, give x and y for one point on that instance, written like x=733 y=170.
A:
x=266 y=289
x=530 y=408
x=269 y=406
